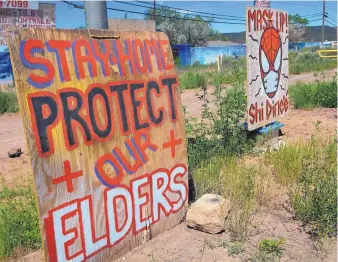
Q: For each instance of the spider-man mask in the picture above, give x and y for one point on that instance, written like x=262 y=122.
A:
x=270 y=60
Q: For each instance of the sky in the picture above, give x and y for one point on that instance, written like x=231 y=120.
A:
x=69 y=17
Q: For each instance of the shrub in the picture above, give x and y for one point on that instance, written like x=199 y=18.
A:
x=229 y=120
x=309 y=61
x=235 y=248
x=19 y=223
x=223 y=131
x=270 y=250
x=272 y=246
x=317 y=94
x=8 y=102
x=191 y=80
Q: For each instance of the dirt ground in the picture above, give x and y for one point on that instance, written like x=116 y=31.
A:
x=181 y=243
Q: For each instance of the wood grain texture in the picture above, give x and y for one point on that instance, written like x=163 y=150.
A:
x=84 y=157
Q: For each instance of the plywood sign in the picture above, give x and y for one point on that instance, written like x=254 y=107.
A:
x=105 y=130
x=267 y=34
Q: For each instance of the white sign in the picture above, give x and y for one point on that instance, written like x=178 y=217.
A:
x=24 y=4
x=34 y=22
x=262 y=3
x=268 y=66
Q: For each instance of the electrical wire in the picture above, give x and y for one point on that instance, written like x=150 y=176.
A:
x=290 y=3
x=328 y=16
x=334 y=25
x=332 y=21
x=313 y=15
x=214 y=17
x=170 y=17
x=191 y=11
x=315 y=20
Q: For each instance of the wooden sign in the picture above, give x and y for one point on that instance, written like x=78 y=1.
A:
x=267 y=34
x=105 y=130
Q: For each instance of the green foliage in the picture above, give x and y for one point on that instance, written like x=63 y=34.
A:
x=177 y=61
x=229 y=120
x=261 y=256
x=240 y=187
x=270 y=250
x=272 y=246
x=8 y=102
x=297 y=19
x=317 y=94
x=221 y=131
x=189 y=76
x=235 y=248
x=191 y=80
x=19 y=223
x=309 y=171
x=241 y=184
x=193 y=31
x=300 y=62
x=216 y=35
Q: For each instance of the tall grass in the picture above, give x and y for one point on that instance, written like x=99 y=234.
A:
x=310 y=172
x=224 y=175
x=197 y=76
x=8 y=102
x=307 y=170
x=317 y=94
x=19 y=223
x=300 y=62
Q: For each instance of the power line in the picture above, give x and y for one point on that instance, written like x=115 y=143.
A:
x=328 y=16
x=214 y=17
x=315 y=20
x=290 y=3
x=170 y=17
x=333 y=21
x=334 y=25
x=313 y=15
x=191 y=11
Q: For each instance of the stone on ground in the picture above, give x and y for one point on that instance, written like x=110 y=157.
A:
x=208 y=213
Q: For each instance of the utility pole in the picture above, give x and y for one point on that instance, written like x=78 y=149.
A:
x=96 y=14
x=154 y=10
x=323 y=22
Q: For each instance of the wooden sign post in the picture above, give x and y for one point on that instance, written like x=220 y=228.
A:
x=105 y=130
x=267 y=34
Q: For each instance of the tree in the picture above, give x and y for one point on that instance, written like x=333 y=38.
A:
x=297 y=28
x=181 y=29
x=216 y=35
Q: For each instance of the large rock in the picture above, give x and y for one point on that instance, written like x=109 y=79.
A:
x=208 y=213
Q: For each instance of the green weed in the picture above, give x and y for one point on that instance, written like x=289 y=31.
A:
x=270 y=250
x=239 y=186
x=196 y=76
x=192 y=80
x=235 y=248
x=309 y=171
x=8 y=102
x=19 y=223
x=272 y=246
x=317 y=94
x=300 y=62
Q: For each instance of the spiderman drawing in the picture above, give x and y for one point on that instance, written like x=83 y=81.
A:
x=270 y=60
